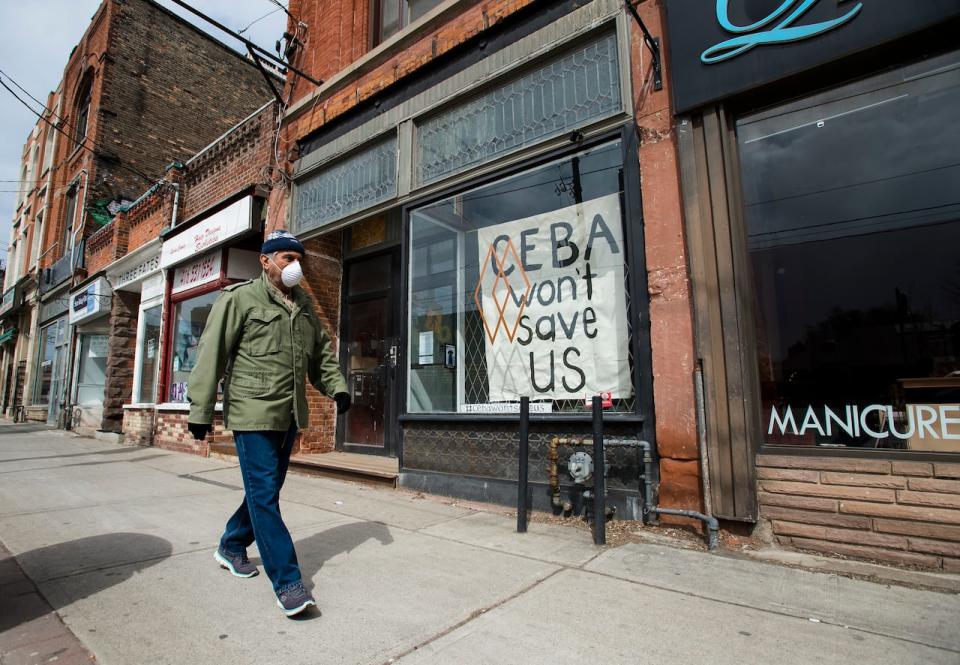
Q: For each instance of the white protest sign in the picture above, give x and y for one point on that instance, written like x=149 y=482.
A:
x=553 y=301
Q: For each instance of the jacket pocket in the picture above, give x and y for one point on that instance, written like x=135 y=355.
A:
x=243 y=384
x=262 y=334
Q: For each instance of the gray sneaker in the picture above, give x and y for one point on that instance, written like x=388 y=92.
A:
x=239 y=566
x=294 y=601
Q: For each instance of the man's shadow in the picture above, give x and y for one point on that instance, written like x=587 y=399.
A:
x=314 y=551
x=115 y=556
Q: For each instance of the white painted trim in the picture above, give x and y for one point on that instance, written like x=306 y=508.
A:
x=183 y=406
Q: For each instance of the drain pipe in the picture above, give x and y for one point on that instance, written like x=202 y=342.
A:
x=713 y=527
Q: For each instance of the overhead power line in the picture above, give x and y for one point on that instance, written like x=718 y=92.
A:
x=71 y=127
x=81 y=144
x=254 y=49
x=255 y=21
x=285 y=10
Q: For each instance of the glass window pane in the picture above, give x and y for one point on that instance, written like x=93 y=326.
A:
x=853 y=223
x=372 y=274
x=556 y=97
x=92 y=369
x=417 y=8
x=149 y=353
x=189 y=320
x=366 y=371
x=389 y=18
x=357 y=182
x=519 y=288
x=48 y=341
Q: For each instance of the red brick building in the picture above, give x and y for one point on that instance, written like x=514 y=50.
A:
x=406 y=166
x=37 y=193
x=217 y=202
x=143 y=88
x=412 y=118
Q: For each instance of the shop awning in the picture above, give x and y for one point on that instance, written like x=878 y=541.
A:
x=8 y=335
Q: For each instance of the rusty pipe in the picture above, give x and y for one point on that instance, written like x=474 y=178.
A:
x=553 y=459
x=554 y=479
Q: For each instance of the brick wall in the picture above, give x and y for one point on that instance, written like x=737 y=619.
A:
x=169 y=90
x=145 y=221
x=237 y=162
x=171 y=433
x=161 y=91
x=322 y=277
x=334 y=42
x=138 y=426
x=101 y=249
x=668 y=280
x=895 y=512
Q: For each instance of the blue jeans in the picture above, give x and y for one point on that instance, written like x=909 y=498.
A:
x=264 y=458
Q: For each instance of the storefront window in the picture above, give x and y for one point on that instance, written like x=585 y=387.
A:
x=189 y=320
x=852 y=206
x=48 y=346
x=149 y=353
x=573 y=89
x=519 y=289
x=91 y=369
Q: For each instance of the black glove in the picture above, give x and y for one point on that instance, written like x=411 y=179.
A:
x=343 y=402
x=199 y=430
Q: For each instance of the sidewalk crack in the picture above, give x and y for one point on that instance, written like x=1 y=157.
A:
x=473 y=615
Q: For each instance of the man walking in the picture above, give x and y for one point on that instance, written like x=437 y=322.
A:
x=264 y=337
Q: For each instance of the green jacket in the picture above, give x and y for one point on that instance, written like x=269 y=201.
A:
x=267 y=349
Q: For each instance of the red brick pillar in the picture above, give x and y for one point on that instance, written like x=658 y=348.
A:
x=323 y=276
x=671 y=320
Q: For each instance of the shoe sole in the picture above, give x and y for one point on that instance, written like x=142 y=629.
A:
x=296 y=610
x=226 y=565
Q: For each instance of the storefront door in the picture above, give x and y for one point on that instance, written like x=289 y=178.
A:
x=369 y=348
x=57 y=334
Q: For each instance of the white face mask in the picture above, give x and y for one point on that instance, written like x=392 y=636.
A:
x=290 y=275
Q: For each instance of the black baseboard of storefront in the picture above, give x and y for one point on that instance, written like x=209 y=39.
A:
x=628 y=505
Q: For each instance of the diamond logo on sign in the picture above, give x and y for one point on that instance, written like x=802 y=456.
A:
x=504 y=289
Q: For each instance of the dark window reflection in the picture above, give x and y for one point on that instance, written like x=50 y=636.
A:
x=853 y=228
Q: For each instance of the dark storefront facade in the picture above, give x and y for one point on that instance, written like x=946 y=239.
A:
x=818 y=154
x=493 y=248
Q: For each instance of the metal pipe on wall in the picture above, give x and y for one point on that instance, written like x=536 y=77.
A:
x=523 y=472
x=599 y=476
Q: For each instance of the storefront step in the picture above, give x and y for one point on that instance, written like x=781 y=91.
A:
x=349 y=466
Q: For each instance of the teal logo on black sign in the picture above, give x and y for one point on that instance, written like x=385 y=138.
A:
x=781 y=33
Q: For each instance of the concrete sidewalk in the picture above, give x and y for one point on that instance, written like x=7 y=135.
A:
x=119 y=541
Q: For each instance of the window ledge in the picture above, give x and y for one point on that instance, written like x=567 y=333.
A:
x=507 y=418
x=184 y=406
x=892 y=454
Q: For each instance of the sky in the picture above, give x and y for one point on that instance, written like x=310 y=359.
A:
x=36 y=38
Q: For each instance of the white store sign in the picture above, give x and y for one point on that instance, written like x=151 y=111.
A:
x=138 y=272
x=94 y=300
x=196 y=273
x=216 y=229
x=553 y=302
